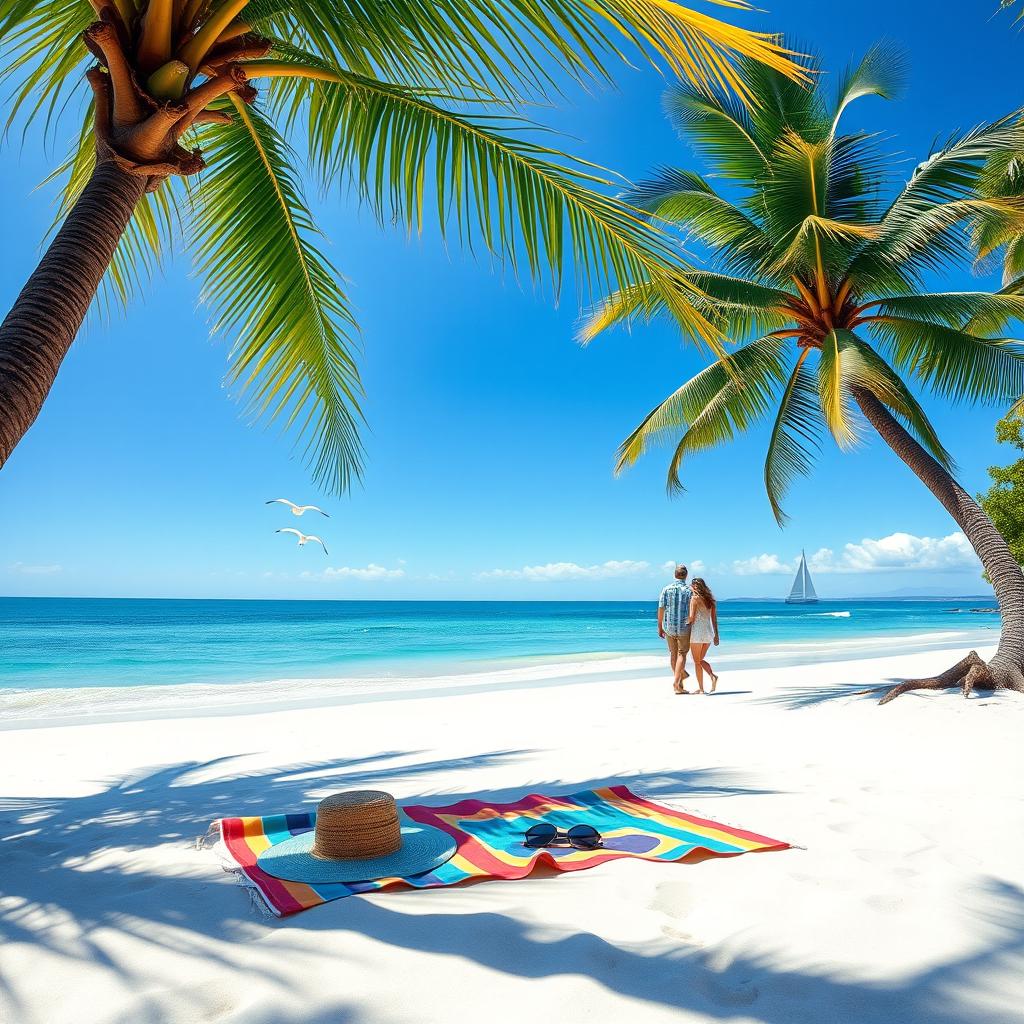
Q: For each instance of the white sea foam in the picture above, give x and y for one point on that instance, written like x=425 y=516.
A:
x=789 y=616
x=20 y=707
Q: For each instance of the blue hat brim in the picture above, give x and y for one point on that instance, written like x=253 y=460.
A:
x=422 y=850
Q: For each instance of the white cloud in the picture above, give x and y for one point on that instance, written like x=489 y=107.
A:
x=35 y=570
x=761 y=565
x=345 y=572
x=569 y=571
x=696 y=566
x=897 y=552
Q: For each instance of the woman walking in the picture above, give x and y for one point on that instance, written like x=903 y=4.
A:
x=703 y=630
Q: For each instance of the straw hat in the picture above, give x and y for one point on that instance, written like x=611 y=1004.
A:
x=358 y=837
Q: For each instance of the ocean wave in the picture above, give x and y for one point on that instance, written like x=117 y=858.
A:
x=786 y=616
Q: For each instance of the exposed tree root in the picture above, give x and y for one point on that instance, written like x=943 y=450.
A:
x=971 y=673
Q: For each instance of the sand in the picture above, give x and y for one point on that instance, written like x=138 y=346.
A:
x=907 y=904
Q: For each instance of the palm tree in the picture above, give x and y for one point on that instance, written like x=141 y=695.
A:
x=818 y=277
x=398 y=96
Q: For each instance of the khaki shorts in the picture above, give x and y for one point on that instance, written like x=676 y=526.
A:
x=678 y=644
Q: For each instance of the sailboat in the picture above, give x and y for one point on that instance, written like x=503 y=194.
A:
x=803 y=589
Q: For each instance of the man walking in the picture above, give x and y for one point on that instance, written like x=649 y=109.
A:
x=674 y=625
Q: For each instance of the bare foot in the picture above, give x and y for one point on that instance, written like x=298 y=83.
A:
x=714 y=682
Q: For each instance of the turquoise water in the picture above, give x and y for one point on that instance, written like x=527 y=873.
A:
x=85 y=642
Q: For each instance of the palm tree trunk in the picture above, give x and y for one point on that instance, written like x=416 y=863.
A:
x=38 y=331
x=1006 y=669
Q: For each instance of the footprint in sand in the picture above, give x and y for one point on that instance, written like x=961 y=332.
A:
x=673 y=899
x=674 y=933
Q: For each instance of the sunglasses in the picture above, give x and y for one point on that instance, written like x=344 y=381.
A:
x=579 y=837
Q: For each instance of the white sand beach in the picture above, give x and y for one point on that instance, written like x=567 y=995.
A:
x=906 y=905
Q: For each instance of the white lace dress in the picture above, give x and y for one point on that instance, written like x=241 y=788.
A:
x=702 y=631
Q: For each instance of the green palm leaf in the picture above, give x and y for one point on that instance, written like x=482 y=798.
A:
x=812 y=251
x=736 y=306
x=492 y=185
x=861 y=366
x=977 y=312
x=834 y=394
x=42 y=55
x=724 y=398
x=374 y=84
x=955 y=363
x=684 y=198
x=517 y=46
x=641 y=301
x=922 y=229
x=795 y=436
x=275 y=292
x=719 y=128
x=880 y=72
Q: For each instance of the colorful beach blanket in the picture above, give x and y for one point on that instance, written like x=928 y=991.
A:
x=490 y=838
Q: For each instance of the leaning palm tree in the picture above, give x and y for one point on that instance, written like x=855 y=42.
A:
x=819 y=259
x=399 y=96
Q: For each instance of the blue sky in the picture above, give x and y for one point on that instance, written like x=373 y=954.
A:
x=492 y=432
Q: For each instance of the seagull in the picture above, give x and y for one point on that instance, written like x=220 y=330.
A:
x=297 y=510
x=304 y=537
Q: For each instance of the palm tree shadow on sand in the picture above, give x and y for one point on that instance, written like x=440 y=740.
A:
x=796 y=697
x=71 y=857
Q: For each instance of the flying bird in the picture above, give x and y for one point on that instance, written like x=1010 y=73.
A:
x=297 y=510
x=304 y=538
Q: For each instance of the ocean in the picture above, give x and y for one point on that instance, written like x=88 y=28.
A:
x=76 y=643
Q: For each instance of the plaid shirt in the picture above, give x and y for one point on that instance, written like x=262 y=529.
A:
x=675 y=599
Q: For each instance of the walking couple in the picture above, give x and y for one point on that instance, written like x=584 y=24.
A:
x=688 y=621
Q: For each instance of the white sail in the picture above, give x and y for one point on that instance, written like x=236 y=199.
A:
x=802 y=591
x=809 y=594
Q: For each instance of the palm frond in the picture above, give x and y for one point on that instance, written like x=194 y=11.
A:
x=856 y=173
x=808 y=236
x=42 y=56
x=833 y=393
x=688 y=201
x=520 y=200
x=975 y=312
x=1006 y=5
x=783 y=104
x=880 y=72
x=641 y=301
x=1013 y=267
x=862 y=366
x=718 y=126
x=735 y=306
x=923 y=227
x=724 y=398
x=518 y=48
x=277 y=295
x=956 y=364
x=795 y=436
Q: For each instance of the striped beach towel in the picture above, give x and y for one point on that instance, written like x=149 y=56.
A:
x=490 y=838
